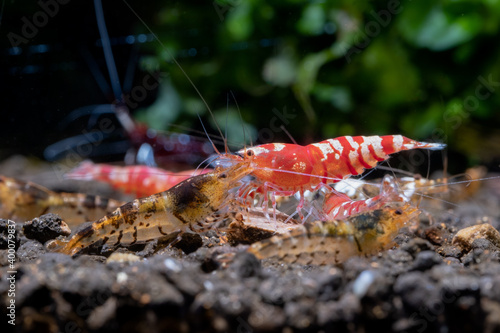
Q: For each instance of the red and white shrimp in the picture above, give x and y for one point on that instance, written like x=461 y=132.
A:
x=339 y=206
x=289 y=168
x=140 y=180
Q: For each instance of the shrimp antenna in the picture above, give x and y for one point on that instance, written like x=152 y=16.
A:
x=227 y=117
x=108 y=53
x=395 y=177
x=445 y=170
x=180 y=67
x=288 y=133
x=214 y=137
x=241 y=119
x=403 y=172
x=208 y=136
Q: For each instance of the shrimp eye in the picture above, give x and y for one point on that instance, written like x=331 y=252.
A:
x=223 y=175
x=398 y=212
x=249 y=152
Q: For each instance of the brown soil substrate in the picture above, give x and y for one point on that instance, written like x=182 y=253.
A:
x=203 y=284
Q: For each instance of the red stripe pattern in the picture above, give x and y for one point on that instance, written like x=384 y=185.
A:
x=290 y=167
x=140 y=180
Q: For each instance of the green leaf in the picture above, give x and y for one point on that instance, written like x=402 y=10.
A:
x=312 y=20
x=429 y=25
x=239 y=22
x=338 y=96
x=280 y=70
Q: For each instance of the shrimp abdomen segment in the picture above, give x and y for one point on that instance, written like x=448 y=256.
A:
x=137 y=221
x=351 y=155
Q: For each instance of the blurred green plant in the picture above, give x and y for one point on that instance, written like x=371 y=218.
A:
x=343 y=67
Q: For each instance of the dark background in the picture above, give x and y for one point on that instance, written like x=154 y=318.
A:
x=336 y=67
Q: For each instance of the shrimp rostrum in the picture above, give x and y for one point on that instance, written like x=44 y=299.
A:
x=183 y=208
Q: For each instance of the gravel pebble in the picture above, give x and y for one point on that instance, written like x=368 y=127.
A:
x=46 y=227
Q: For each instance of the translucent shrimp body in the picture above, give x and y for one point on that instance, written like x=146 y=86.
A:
x=333 y=242
x=22 y=201
x=183 y=208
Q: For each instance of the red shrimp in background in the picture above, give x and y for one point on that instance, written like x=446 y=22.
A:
x=140 y=180
x=289 y=168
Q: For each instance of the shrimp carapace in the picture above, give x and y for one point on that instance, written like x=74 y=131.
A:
x=183 y=208
x=333 y=242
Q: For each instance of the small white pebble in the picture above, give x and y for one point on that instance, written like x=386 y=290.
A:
x=172 y=265
x=362 y=283
x=121 y=277
x=208 y=285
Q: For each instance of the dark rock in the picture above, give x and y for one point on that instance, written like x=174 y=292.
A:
x=425 y=260
x=185 y=277
x=452 y=261
x=4 y=257
x=399 y=256
x=146 y=287
x=354 y=266
x=461 y=301
x=289 y=288
x=490 y=287
x=30 y=251
x=46 y=227
x=437 y=234
x=301 y=315
x=266 y=317
x=245 y=265
x=189 y=243
x=449 y=251
x=417 y=245
x=492 y=311
x=15 y=236
x=482 y=244
x=102 y=314
x=340 y=314
x=330 y=284
x=417 y=290
x=228 y=297
x=481 y=250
